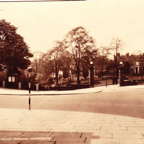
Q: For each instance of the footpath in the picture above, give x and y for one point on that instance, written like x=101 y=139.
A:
x=96 y=89
x=21 y=126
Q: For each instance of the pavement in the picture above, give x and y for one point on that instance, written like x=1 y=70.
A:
x=96 y=89
x=21 y=126
x=4 y=91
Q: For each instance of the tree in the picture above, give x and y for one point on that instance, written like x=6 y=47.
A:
x=67 y=63
x=116 y=44
x=126 y=68
x=79 y=44
x=65 y=73
x=36 y=65
x=46 y=66
x=104 y=52
x=85 y=72
x=54 y=61
x=55 y=57
x=111 y=68
x=14 y=52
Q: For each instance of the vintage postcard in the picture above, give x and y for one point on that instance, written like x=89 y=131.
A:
x=71 y=72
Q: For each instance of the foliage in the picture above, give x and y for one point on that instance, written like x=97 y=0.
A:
x=46 y=66
x=14 y=52
x=50 y=81
x=56 y=57
x=104 y=53
x=36 y=61
x=85 y=72
x=111 y=68
x=65 y=73
x=81 y=46
x=72 y=56
x=55 y=60
x=126 y=68
x=2 y=75
x=115 y=45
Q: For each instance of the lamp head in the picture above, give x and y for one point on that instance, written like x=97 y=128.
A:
x=121 y=63
x=91 y=62
x=29 y=69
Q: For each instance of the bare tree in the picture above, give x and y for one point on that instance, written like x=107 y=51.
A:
x=78 y=43
x=37 y=64
x=56 y=56
x=116 y=45
x=46 y=66
x=104 y=53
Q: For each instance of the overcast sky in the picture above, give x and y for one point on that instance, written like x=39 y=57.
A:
x=42 y=23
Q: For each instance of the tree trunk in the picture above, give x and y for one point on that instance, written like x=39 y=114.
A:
x=56 y=75
x=102 y=70
x=102 y=73
x=78 y=81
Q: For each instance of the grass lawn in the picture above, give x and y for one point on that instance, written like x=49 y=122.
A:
x=98 y=81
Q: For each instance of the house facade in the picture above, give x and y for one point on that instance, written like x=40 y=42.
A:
x=139 y=67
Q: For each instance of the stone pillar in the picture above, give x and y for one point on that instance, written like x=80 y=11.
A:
x=19 y=85
x=121 y=76
x=91 y=79
x=3 y=84
x=37 y=87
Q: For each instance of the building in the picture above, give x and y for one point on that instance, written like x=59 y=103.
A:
x=139 y=67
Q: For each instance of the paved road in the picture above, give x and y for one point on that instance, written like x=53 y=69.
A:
x=127 y=102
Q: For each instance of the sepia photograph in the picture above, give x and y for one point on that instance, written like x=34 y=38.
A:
x=71 y=72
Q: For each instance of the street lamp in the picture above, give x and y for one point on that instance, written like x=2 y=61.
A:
x=121 y=63
x=91 y=79
x=120 y=74
x=29 y=70
x=91 y=63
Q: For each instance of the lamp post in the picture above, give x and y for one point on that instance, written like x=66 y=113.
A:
x=37 y=85
x=91 y=79
x=121 y=63
x=29 y=70
x=120 y=74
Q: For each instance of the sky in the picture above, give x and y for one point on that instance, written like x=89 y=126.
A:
x=43 y=23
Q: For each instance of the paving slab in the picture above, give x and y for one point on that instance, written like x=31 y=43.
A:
x=21 y=126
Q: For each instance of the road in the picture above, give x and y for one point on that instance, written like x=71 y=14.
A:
x=127 y=102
